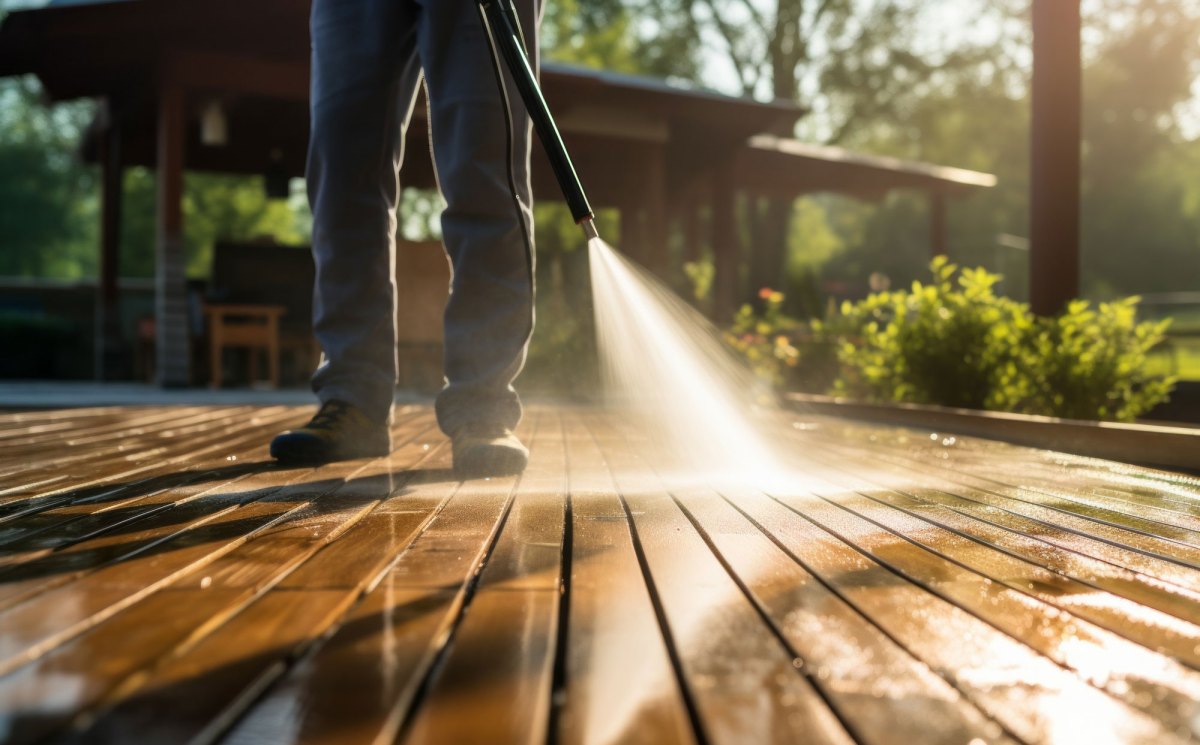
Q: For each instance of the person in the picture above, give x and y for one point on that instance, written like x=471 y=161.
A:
x=368 y=60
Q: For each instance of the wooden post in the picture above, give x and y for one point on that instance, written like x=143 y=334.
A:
x=1055 y=152
x=108 y=325
x=630 y=237
x=172 y=345
x=656 y=220
x=725 y=244
x=693 y=240
x=938 y=237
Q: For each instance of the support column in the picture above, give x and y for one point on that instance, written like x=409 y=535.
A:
x=108 y=347
x=172 y=347
x=1055 y=152
x=656 y=218
x=693 y=240
x=938 y=235
x=725 y=245
x=630 y=237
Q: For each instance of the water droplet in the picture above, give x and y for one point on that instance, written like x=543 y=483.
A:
x=205 y=583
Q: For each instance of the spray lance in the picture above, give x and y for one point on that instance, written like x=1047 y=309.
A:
x=508 y=43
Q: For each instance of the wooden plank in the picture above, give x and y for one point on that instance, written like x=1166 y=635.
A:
x=176 y=700
x=64 y=565
x=61 y=455
x=1019 y=598
x=1065 y=480
x=61 y=567
x=34 y=627
x=1125 y=546
x=37 y=700
x=742 y=679
x=143 y=422
x=357 y=685
x=54 y=527
x=117 y=478
x=883 y=693
x=619 y=682
x=124 y=443
x=374 y=542
x=1080 y=558
x=237 y=577
x=499 y=664
x=1025 y=692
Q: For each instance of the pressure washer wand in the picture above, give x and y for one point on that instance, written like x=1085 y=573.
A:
x=504 y=33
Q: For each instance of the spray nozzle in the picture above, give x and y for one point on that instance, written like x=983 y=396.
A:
x=589 y=228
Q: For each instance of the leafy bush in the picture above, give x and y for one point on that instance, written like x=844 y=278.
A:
x=954 y=342
x=1091 y=363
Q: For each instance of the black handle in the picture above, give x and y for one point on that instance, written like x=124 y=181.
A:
x=500 y=21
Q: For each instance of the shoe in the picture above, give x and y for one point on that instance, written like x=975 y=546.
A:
x=482 y=450
x=339 y=431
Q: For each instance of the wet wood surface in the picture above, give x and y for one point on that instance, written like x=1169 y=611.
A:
x=162 y=581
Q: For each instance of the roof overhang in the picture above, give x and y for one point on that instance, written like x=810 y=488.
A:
x=254 y=59
x=771 y=164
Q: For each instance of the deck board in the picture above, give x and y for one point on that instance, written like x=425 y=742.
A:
x=162 y=581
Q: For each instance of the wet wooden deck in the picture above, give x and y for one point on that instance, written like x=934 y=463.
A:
x=160 y=584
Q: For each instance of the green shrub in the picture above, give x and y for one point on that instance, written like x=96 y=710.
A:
x=1091 y=363
x=954 y=342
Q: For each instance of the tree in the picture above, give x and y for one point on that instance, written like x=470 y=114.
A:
x=47 y=211
x=1139 y=169
x=862 y=66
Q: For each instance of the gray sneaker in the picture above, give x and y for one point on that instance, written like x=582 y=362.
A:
x=482 y=450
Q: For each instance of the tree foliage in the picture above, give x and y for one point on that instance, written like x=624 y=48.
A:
x=47 y=197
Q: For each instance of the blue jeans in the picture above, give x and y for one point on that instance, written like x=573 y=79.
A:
x=368 y=59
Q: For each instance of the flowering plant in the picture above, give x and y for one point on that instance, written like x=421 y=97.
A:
x=765 y=337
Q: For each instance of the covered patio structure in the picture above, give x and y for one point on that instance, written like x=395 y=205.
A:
x=661 y=154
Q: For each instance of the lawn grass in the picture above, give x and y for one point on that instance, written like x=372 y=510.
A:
x=1178 y=357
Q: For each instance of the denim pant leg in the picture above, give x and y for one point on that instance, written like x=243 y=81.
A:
x=365 y=74
x=489 y=317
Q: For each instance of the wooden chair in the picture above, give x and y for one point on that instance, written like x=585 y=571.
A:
x=250 y=279
x=252 y=327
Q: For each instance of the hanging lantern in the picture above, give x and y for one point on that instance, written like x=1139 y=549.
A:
x=214 y=127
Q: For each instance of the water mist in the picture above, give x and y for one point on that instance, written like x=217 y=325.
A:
x=665 y=364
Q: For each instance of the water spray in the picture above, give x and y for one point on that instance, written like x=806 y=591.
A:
x=662 y=361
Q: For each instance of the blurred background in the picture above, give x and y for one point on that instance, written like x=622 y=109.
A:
x=903 y=85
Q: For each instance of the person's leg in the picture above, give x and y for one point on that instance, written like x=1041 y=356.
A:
x=489 y=317
x=365 y=74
